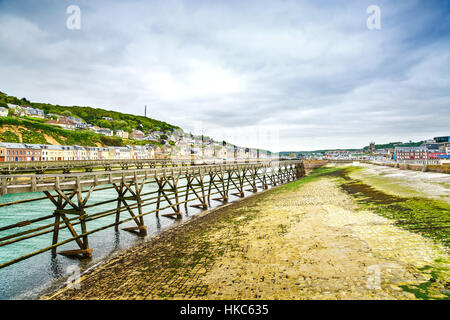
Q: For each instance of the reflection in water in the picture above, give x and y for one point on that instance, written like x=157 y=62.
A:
x=116 y=241
x=158 y=223
x=55 y=267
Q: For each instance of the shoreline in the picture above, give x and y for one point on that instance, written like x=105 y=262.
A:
x=104 y=262
x=309 y=229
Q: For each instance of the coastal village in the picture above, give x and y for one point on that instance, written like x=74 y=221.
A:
x=174 y=144
x=177 y=144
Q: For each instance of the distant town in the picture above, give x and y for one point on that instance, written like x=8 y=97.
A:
x=431 y=151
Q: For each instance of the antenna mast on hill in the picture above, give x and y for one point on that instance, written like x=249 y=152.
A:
x=145 y=112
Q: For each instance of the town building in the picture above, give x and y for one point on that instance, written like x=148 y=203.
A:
x=137 y=135
x=443 y=142
x=34 y=112
x=427 y=151
x=17 y=110
x=105 y=131
x=62 y=122
x=2 y=153
x=3 y=112
x=122 y=134
x=75 y=120
x=14 y=152
x=337 y=154
x=151 y=137
x=383 y=153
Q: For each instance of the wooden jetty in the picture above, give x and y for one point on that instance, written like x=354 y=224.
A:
x=68 y=166
x=173 y=186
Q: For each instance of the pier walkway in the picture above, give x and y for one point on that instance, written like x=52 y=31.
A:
x=132 y=194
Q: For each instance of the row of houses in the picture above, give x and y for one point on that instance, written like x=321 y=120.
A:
x=24 y=111
x=15 y=152
x=427 y=151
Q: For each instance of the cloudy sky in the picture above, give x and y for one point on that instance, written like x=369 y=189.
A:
x=280 y=75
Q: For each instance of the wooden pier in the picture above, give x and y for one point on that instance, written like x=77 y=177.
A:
x=169 y=188
x=68 y=166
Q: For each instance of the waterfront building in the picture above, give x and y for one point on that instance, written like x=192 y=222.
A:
x=208 y=152
x=337 y=154
x=103 y=153
x=383 y=153
x=92 y=153
x=138 y=152
x=41 y=152
x=21 y=152
x=410 y=153
x=68 y=152
x=220 y=152
x=443 y=142
x=426 y=151
x=54 y=153
x=2 y=153
x=79 y=152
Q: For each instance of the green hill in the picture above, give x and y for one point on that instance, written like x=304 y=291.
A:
x=33 y=130
x=122 y=121
x=392 y=145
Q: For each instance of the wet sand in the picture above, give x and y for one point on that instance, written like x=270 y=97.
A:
x=310 y=241
x=406 y=183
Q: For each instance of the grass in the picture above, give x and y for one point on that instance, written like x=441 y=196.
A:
x=33 y=137
x=429 y=217
x=315 y=174
x=426 y=290
x=9 y=136
x=386 y=184
x=34 y=131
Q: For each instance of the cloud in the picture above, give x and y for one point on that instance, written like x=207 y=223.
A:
x=304 y=75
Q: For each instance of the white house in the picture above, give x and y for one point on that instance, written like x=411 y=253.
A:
x=3 y=112
x=122 y=134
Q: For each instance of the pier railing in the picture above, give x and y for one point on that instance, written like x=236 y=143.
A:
x=170 y=188
x=68 y=166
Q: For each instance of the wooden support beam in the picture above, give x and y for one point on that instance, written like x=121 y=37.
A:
x=70 y=195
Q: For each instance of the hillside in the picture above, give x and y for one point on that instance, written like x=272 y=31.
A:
x=29 y=131
x=392 y=145
x=34 y=130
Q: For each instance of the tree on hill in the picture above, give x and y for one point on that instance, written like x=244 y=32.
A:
x=24 y=101
x=104 y=124
x=66 y=113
